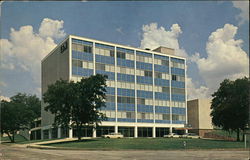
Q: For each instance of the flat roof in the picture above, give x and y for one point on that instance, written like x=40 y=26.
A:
x=114 y=44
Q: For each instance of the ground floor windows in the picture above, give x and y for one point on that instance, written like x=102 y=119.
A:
x=100 y=131
x=160 y=132
x=126 y=131
x=35 y=135
x=145 y=132
x=46 y=134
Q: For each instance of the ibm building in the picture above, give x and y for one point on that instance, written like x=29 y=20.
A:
x=146 y=93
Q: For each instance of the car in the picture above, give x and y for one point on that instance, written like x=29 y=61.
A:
x=189 y=135
x=113 y=135
x=172 y=135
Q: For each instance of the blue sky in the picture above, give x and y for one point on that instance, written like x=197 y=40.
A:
x=122 y=22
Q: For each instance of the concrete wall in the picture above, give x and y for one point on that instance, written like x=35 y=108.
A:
x=199 y=114
x=205 y=120
x=54 y=67
x=193 y=113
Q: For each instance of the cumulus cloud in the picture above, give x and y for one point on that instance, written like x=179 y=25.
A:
x=225 y=57
x=195 y=90
x=51 y=28
x=154 y=36
x=25 y=49
x=243 y=6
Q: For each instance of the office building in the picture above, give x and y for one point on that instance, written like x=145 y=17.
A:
x=146 y=93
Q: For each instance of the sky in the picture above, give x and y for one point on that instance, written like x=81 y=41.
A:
x=213 y=36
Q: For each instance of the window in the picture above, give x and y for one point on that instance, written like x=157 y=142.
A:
x=143 y=116
x=77 y=63
x=158 y=75
x=148 y=73
x=164 y=62
x=110 y=98
x=130 y=115
x=121 y=55
x=174 y=77
x=178 y=91
x=87 y=49
x=165 y=116
x=141 y=101
x=165 y=89
x=99 y=66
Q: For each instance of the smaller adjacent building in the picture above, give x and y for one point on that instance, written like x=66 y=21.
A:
x=198 y=113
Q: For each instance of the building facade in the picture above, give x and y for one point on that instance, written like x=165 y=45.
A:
x=198 y=112
x=146 y=90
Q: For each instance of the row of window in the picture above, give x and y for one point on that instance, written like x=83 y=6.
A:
x=161 y=89
x=82 y=48
x=144 y=87
x=162 y=116
x=178 y=78
x=125 y=70
x=144 y=59
x=123 y=55
x=144 y=101
x=105 y=67
x=105 y=52
x=177 y=65
x=142 y=115
x=161 y=62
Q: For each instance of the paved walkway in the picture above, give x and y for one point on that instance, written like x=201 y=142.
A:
x=20 y=153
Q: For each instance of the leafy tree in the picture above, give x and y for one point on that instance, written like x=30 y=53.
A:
x=77 y=104
x=230 y=105
x=19 y=113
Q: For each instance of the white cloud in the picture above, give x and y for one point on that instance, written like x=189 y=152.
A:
x=51 y=28
x=154 y=36
x=25 y=49
x=225 y=58
x=243 y=6
x=196 y=91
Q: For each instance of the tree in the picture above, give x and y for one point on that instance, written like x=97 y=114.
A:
x=19 y=113
x=230 y=105
x=77 y=104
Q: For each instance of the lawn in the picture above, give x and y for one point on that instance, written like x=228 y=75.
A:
x=149 y=143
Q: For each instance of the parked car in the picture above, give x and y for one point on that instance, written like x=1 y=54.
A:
x=172 y=135
x=189 y=135
x=113 y=135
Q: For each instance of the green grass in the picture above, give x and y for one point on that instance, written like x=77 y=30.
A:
x=21 y=140
x=149 y=144
x=18 y=139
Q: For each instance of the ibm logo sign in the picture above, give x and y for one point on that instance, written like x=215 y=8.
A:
x=64 y=46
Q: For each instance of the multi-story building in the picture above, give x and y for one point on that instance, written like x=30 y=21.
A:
x=146 y=93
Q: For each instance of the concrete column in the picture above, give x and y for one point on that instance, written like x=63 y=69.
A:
x=41 y=134
x=59 y=132
x=94 y=133
x=70 y=132
x=154 y=132
x=136 y=132
x=116 y=129
x=50 y=134
x=186 y=130
x=170 y=129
